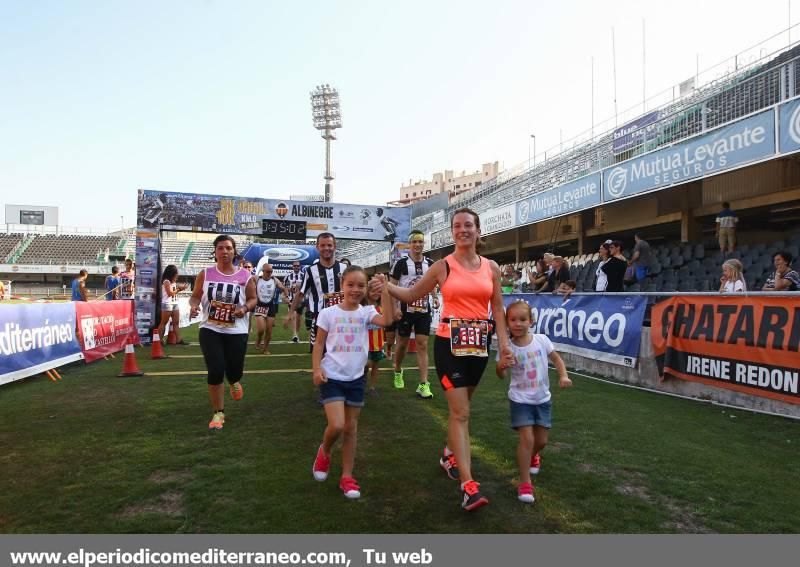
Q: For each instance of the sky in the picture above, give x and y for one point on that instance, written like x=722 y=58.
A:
x=99 y=99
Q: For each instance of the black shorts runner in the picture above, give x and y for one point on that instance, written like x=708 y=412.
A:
x=456 y=371
x=270 y=308
x=420 y=323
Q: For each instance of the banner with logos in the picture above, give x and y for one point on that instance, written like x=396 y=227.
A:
x=147 y=282
x=746 y=344
x=635 y=132
x=35 y=338
x=243 y=215
x=104 y=327
x=497 y=219
x=441 y=238
x=280 y=256
x=583 y=193
x=789 y=126
x=730 y=146
x=601 y=327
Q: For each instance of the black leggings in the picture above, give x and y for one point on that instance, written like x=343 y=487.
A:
x=224 y=355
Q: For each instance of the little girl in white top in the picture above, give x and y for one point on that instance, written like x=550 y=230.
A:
x=529 y=392
x=339 y=371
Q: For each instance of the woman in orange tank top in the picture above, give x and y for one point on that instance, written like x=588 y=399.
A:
x=470 y=286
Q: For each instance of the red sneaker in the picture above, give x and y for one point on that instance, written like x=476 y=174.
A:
x=237 y=392
x=448 y=463
x=471 y=497
x=350 y=487
x=322 y=464
x=536 y=463
x=525 y=493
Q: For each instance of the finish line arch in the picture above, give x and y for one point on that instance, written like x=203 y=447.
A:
x=159 y=211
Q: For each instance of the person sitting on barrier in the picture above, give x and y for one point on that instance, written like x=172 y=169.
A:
x=784 y=278
x=732 y=280
x=169 y=303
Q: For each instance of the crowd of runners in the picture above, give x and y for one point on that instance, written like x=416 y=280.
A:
x=351 y=318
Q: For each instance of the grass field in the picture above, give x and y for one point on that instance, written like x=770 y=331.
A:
x=101 y=454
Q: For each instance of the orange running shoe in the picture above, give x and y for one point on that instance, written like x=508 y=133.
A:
x=237 y=392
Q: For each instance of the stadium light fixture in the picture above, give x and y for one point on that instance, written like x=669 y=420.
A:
x=327 y=117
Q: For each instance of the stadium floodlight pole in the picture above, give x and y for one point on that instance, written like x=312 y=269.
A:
x=327 y=118
x=534 y=151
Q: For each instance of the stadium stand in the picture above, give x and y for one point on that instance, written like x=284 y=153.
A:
x=8 y=242
x=68 y=249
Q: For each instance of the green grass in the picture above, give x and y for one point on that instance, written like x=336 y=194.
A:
x=97 y=453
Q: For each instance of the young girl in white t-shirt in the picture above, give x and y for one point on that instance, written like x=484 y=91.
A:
x=339 y=370
x=529 y=391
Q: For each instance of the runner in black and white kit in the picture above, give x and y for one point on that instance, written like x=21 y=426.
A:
x=322 y=282
x=292 y=282
x=267 y=288
x=416 y=317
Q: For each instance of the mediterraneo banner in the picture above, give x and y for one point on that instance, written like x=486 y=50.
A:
x=243 y=215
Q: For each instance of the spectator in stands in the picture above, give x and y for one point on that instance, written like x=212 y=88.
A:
x=518 y=282
x=538 y=277
x=79 y=291
x=726 y=228
x=127 y=279
x=558 y=274
x=507 y=279
x=112 y=284
x=615 y=267
x=784 y=278
x=732 y=279
x=601 y=279
x=2 y=291
x=169 y=303
x=642 y=257
x=346 y=262
x=566 y=288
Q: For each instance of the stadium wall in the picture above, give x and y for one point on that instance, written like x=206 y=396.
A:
x=645 y=375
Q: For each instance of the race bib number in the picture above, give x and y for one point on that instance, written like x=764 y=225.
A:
x=261 y=310
x=334 y=298
x=221 y=314
x=469 y=337
x=419 y=306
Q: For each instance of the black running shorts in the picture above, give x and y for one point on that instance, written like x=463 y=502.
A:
x=456 y=371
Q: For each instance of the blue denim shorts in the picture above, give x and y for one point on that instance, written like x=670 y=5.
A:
x=523 y=415
x=350 y=392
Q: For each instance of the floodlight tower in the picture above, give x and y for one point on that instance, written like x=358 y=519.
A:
x=327 y=118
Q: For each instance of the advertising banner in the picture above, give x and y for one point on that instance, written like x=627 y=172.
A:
x=577 y=195
x=280 y=256
x=606 y=328
x=727 y=147
x=399 y=250
x=104 y=327
x=497 y=219
x=746 y=344
x=633 y=133
x=243 y=215
x=35 y=338
x=441 y=238
x=789 y=126
x=147 y=281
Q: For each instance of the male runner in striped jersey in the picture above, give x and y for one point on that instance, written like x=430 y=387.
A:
x=322 y=282
x=292 y=282
x=415 y=317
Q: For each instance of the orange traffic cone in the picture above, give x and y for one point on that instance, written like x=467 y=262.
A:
x=129 y=366
x=412 y=343
x=171 y=338
x=157 y=351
